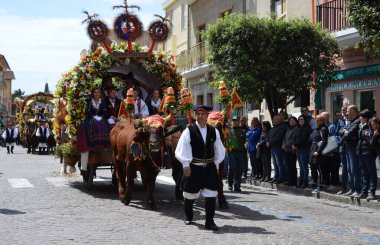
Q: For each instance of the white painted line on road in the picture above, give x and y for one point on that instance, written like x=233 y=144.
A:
x=58 y=181
x=20 y=183
x=166 y=179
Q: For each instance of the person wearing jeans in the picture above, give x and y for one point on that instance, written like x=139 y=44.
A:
x=253 y=136
x=350 y=138
x=302 y=147
x=275 y=138
x=340 y=124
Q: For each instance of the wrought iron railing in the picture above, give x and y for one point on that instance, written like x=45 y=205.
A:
x=192 y=57
x=333 y=15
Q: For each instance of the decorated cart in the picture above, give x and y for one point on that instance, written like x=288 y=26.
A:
x=29 y=112
x=120 y=65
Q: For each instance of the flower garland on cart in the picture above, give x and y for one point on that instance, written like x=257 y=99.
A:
x=75 y=85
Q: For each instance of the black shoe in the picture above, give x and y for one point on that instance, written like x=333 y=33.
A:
x=211 y=227
x=230 y=187
x=237 y=190
x=272 y=181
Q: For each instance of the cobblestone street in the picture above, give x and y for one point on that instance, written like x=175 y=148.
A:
x=38 y=206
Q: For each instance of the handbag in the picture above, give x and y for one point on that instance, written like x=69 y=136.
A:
x=332 y=145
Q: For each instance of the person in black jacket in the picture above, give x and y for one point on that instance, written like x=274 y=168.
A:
x=375 y=140
x=264 y=152
x=319 y=143
x=350 y=138
x=367 y=156
x=275 y=138
x=302 y=147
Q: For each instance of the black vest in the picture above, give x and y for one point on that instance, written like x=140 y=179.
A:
x=202 y=152
x=10 y=138
x=42 y=138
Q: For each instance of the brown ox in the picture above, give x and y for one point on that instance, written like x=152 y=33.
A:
x=150 y=141
x=171 y=144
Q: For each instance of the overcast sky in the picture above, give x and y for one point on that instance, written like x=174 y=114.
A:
x=41 y=39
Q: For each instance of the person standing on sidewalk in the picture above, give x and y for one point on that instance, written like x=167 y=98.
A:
x=375 y=145
x=341 y=123
x=302 y=146
x=236 y=155
x=350 y=139
x=264 y=152
x=253 y=137
x=200 y=150
x=317 y=159
x=275 y=138
x=244 y=125
x=367 y=157
x=290 y=157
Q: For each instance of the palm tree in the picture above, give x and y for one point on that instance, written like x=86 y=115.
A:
x=18 y=93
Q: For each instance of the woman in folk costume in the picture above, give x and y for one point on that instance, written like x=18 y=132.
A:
x=94 y=132
x=43 y=133
x=154 y=102
x=9 y=136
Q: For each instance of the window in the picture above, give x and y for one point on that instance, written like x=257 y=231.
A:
x=365 y=100
x=201 y=29
x=200 y=99
x=210 y=99
x=183 y=17
x=280 y=8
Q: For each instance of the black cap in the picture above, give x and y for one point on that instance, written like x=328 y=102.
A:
x=206 y=108
x=42 y=120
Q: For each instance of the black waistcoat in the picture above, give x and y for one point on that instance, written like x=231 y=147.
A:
x=42 y=135
x=202 y=152
x=10 y=138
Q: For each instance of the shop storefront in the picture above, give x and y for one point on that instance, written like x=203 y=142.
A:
x=358 y=86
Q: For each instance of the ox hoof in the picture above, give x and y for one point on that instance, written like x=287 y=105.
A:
x=152 y=205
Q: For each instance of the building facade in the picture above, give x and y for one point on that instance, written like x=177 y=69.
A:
x=359 y=78
x=191 y=17
x=6 y=77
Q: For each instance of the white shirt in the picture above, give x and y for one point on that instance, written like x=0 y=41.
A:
x=156 y=104
x=143 y=109
x=184 y=153
x=38 y=133
x=15 y=133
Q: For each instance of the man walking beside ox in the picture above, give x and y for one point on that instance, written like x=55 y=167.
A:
x=200 y=150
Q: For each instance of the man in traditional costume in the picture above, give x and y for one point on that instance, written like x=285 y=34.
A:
x=113 y=106
x=141 y=109
x=43 y=133
x=9 y=136
x=200 y=150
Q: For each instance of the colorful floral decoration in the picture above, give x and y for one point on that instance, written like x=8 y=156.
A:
x=186 y=103
x=128 y=27
x=76 y=84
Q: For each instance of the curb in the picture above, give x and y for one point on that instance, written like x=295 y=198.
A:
x=327 y=195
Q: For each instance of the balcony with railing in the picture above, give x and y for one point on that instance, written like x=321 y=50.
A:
x=191 y=58
x=333 y=15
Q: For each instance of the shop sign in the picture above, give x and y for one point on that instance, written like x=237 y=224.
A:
x=354 y=85
x=359 y=72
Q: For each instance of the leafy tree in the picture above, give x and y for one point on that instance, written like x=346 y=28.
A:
x=18 y=93
x=270 y=59
x=365 y=17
